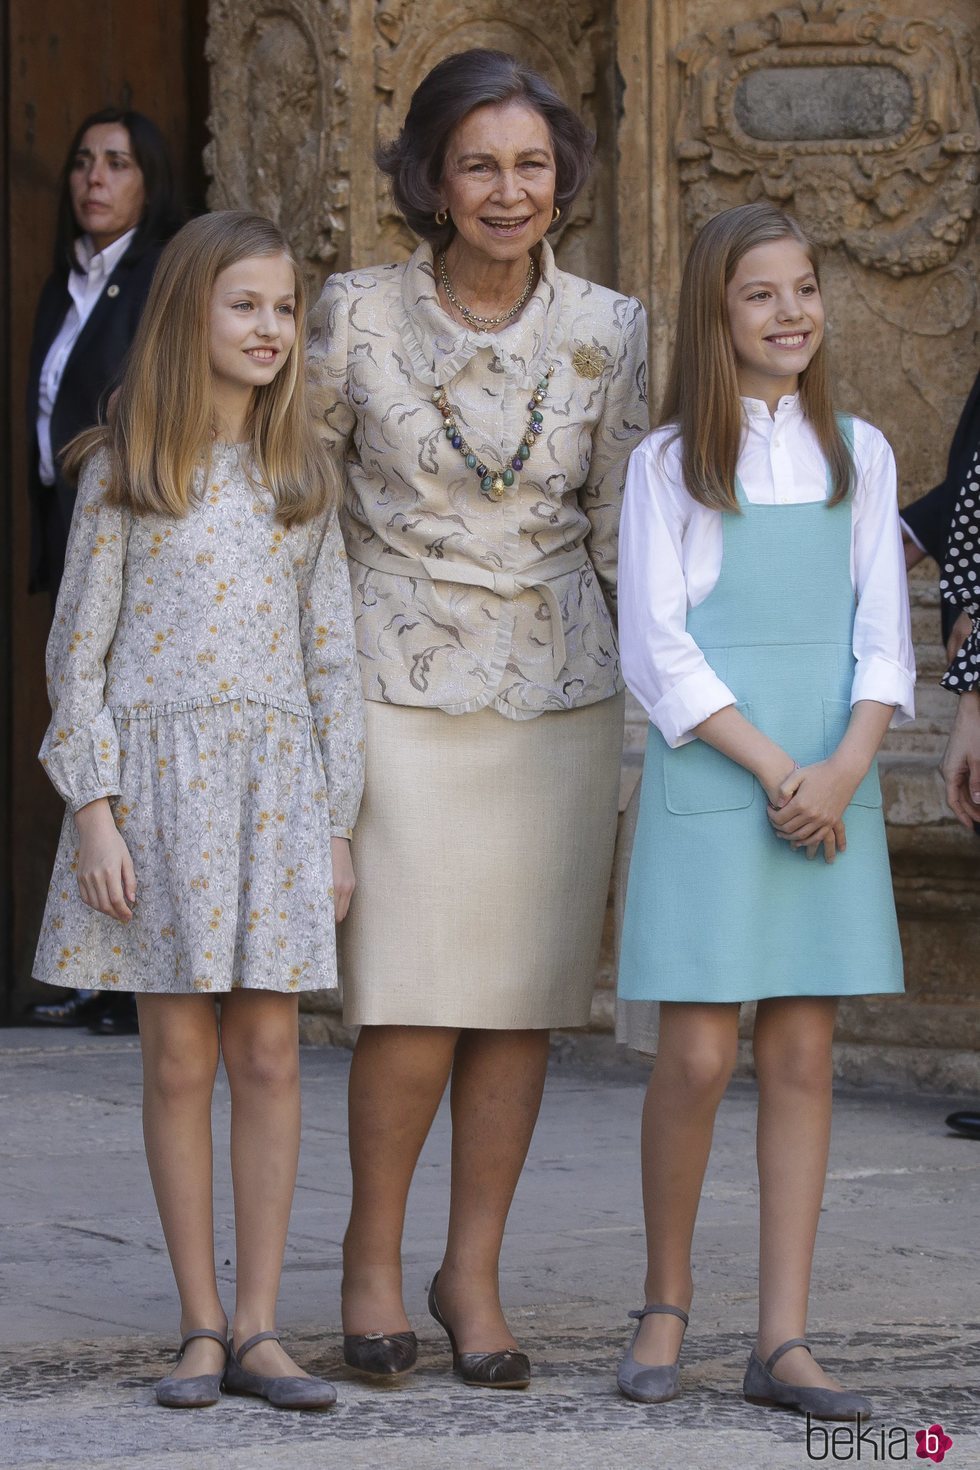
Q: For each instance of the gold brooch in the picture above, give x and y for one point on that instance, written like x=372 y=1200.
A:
x=589 y=361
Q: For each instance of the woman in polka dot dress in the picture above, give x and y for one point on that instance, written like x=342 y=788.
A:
x=961 y=584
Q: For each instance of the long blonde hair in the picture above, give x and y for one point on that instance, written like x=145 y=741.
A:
x=701 y=398
x=161 y=421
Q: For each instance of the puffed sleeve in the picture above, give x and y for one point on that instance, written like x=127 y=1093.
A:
x=882 y=638
x=623 y=424
x=80 y=751
x=662 y=664
x=326 y=366
x=326 y=631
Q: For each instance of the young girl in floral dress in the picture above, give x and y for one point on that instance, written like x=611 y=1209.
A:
x=207 y=739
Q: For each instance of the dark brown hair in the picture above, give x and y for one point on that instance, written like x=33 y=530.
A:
x=162 y=214
x=701 y=398
x=451 y=90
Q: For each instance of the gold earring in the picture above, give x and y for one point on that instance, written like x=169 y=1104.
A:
x=441 y=217
x=556 y=216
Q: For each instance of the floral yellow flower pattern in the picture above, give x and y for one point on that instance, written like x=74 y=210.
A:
x=202 y=675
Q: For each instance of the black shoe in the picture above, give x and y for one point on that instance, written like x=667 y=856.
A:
x=119 y=1020
x=966 y=1123
x=79 y=1009
x=507 y=1368
x=381 y=1355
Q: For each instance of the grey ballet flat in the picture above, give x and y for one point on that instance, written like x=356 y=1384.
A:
x=760 y=1386
x=645 y=1383
x=199 y=1392
x=287 y=1392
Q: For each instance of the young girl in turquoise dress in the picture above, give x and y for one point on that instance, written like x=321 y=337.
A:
x=207 y=739
x=765 y=629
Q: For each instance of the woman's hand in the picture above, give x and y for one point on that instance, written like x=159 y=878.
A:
x=961 y=764
x=106 y=877
x=343 y=876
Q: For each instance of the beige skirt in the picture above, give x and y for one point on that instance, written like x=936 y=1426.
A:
x=482 y=855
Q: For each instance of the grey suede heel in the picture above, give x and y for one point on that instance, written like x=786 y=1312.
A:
x=286 y=1392
x=760 y=1386
x=647 y=1383
x=199 y=1392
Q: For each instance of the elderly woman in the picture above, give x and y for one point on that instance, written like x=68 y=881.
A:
x=486 y=403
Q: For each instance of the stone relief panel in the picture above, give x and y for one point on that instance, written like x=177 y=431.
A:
x=863 y=122
x=279 y=140
x=860 y=121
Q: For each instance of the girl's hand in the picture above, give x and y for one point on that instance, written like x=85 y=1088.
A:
x=106 y=878
x=961 y=763
x=812 y=802
x=343 y=876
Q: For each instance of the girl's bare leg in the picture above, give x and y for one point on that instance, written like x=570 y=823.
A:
x=260 y=1046
x=792 y=1044
x=695 y=1058
x=498 y=1080
x=397 y=1079
x=179 y=1042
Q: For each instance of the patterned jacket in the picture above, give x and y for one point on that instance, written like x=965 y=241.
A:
x=460 y=601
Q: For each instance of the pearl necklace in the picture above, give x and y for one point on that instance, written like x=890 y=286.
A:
x=471 y=317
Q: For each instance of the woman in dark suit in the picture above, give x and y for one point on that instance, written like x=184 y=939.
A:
x=116 y=210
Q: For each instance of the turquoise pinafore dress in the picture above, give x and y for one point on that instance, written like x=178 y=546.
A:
x=719 y=908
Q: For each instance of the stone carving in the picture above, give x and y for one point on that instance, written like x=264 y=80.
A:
x=862 y=122
x=278 y=144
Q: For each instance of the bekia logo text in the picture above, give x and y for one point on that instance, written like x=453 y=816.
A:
x=859 y=1442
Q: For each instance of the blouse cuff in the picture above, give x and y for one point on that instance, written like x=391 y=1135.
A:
x=692 y=700
x=83 y=765
x=346 y=832
x=963 y=673
x=885 y=682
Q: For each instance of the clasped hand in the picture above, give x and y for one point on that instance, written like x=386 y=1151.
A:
x=807 y=809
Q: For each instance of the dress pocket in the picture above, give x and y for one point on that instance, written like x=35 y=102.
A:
x=836 y=716
x=698 y=778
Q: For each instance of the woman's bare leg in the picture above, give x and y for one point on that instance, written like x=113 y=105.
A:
x=498 y=1080
x=792 y=1043
x=260 y=1046
x=696 y=1055
x=179 y=1042
x=397 y=1078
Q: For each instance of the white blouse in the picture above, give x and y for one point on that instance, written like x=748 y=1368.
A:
x=85 y=286
x=670 y=553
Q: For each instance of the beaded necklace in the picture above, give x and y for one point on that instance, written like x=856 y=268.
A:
x=493 y=483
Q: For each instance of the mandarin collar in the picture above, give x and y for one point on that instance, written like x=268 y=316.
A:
x=439 y=349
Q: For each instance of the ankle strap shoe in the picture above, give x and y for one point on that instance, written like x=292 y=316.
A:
x=199 y=1392
x=290 y=1391
x=760 y=1386
x=647 y=1383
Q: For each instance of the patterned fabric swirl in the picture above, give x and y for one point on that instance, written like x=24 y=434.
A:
x=462 y=603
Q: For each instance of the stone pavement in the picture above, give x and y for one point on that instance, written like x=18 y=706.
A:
x=88 y=1315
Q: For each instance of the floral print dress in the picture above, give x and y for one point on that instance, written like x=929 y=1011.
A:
x=202 y=676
